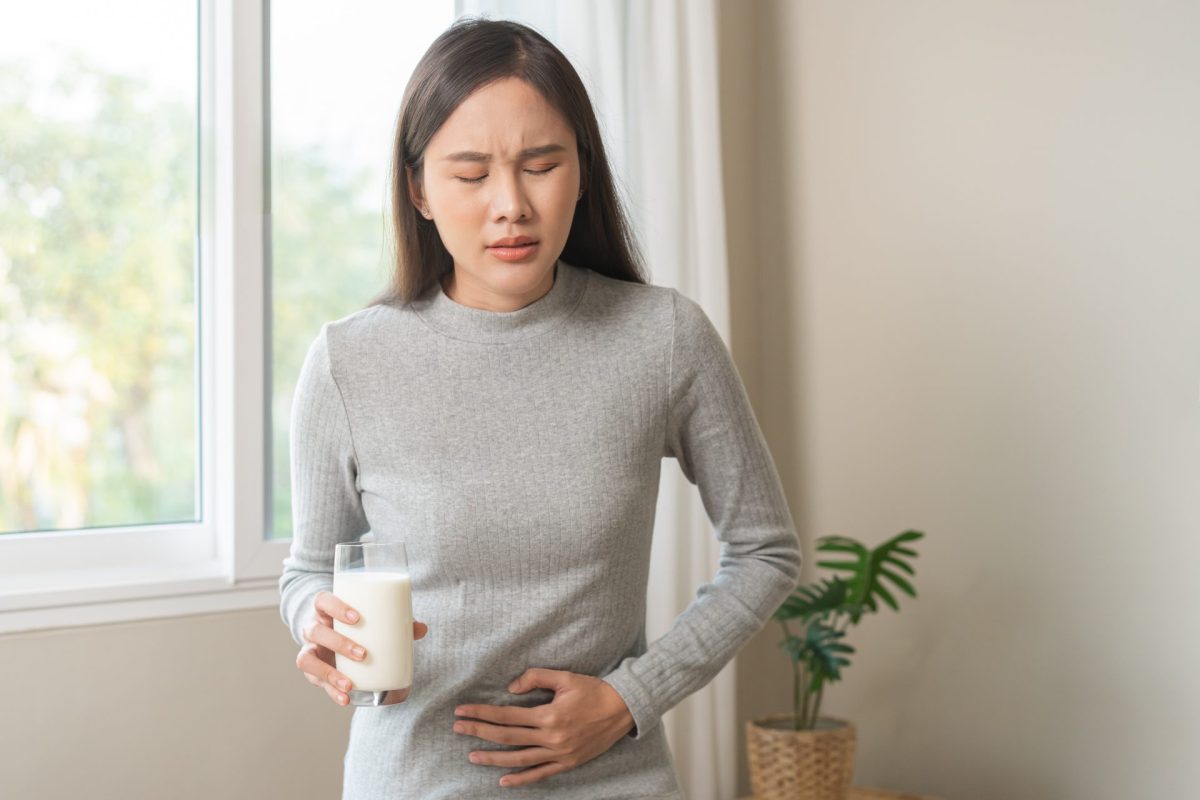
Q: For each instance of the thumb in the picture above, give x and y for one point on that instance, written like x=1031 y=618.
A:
x=535 y=678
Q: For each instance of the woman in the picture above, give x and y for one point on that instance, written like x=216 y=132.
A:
x=504 y=409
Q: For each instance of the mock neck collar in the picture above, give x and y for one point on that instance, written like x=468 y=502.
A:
x=458 y=321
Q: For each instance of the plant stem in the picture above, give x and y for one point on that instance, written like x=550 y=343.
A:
x=787 y=632
x=802 y=719
x=797 y=695
x=817 y=707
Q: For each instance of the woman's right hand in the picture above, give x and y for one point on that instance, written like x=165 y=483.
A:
x=316 y=659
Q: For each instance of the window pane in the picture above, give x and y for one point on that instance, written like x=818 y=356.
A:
x=98 y=214
x=334 y=95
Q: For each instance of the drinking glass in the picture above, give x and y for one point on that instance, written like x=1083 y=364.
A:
x=372 y=578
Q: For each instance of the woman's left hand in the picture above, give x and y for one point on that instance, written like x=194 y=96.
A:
x=585 y=718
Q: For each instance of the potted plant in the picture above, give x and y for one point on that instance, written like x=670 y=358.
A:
x=802 y=755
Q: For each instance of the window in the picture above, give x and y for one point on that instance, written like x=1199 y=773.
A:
x=160 y=281
x=332 y=122
x=97 y=269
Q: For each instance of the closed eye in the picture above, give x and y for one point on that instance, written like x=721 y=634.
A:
x=530 y=171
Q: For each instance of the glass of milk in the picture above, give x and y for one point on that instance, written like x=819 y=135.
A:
x=372 y=578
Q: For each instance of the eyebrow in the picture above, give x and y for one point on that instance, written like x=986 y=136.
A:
x=483 y=158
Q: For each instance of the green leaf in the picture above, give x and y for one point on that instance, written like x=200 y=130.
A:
x=891 y=559
x=904 y=585
x=795 y=647
x=807 y=602
x=886 y=596
x=822 y=647
x=850 y=565
x=867 y=572
x=856 y=612
x=840 y=544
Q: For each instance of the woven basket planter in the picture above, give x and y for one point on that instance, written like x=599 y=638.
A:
x=786 y=764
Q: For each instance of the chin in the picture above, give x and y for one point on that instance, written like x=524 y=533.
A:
x=521 y=271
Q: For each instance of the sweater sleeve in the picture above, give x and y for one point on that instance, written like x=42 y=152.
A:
x=326 y=507
x=713 y=434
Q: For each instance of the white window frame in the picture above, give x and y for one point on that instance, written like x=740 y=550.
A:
x=69 y=578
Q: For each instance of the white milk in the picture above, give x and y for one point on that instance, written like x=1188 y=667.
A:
x=383 y=601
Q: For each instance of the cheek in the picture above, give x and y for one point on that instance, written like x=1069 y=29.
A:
x=457 y=204
x=560 y=195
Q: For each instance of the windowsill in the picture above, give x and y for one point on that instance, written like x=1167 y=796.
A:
x=69 y=599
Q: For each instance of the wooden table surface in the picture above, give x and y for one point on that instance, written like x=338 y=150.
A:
x=864 y=793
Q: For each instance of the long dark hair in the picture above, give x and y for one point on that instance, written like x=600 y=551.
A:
x=471 y=53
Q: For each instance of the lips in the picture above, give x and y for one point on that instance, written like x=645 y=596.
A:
x=513 y=241
x=516 y=252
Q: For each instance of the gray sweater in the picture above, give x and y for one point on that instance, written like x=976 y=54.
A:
x=518 y=456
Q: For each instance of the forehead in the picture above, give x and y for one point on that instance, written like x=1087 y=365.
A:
x=501 y=119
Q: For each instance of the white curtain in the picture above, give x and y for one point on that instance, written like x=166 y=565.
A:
x=651 y=71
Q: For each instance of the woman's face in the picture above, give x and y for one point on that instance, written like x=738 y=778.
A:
x=504 y=164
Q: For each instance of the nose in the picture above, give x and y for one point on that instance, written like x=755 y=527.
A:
x=509 y=201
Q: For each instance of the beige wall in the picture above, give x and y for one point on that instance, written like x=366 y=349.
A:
x=972 y=240
x=966 y=286
x=207 y=707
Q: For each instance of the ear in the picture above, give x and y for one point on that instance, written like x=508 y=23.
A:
x=415 y=190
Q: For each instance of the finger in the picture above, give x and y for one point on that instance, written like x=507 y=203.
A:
x=333 y=607
x=318 y=633
x=502 y=715
x=533 y=774
x=309 y=662
x=335 y=695
x=525 y=757
x=319 y=673
x=419 y=630
x=338 y=682
x=500 y=734
x=323 y=655
x=537 y=678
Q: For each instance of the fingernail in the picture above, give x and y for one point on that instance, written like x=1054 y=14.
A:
x=352 y=615
x=358 y=651
x=345 y=685
x=474 y=758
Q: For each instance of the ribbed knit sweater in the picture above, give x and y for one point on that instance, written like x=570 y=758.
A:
x=518 y=454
